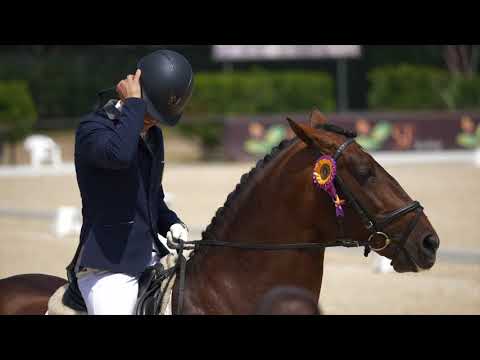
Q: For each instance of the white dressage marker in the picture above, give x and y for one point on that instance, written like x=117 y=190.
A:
x=68 y=221
x=477 y=157
x=42 y=149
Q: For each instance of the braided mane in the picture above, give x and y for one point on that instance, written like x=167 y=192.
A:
x=244 y=182
x=220 y=215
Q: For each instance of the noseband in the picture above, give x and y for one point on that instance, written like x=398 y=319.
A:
x=376 y=227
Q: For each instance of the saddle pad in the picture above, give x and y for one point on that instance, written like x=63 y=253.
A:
x=57 y=307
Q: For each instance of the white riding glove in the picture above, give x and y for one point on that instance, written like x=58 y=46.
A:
x=177 y=231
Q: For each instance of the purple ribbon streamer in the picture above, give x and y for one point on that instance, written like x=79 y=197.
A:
x=330 y=187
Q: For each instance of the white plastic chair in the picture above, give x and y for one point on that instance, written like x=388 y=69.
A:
x=43 y=149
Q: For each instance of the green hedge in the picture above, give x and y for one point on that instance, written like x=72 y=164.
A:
x=17 y=110
x=409 y=87
x=249 y=93
x=260 y=92
x=463 y=93
x=63 y=85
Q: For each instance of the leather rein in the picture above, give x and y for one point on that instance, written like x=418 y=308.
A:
x=374 y=226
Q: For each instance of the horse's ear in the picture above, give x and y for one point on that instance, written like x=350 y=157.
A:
x=304 y=133
x=311 y=137
x=317 y=118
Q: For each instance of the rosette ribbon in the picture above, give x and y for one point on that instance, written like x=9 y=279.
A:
x=324 y=174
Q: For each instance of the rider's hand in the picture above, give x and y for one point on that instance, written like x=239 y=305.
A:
x=130 y=87
x=177 y=231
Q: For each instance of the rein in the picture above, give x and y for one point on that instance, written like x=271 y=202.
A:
x=376 y=228
x=181 y=246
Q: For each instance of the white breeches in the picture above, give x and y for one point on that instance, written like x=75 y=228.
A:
x=107 y=293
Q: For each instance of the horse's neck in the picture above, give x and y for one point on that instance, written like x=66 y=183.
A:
x=274 y=211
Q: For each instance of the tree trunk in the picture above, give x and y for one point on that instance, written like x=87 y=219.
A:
x=475 y=54
x=451 y=59
x=461 y=59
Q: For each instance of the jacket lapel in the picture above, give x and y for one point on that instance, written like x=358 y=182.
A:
x=157 y=163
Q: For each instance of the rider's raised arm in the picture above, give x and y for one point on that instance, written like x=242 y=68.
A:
x=115 y=146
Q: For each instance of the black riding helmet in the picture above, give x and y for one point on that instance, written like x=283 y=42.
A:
x=167 y=84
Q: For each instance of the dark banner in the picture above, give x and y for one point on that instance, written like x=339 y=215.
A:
x=249 y=138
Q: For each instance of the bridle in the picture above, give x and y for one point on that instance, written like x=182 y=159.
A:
x=376 y=227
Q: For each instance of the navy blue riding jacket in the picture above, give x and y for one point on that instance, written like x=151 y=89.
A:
x=119 y=175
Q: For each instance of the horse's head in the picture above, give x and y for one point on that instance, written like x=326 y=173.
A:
x=376 y=208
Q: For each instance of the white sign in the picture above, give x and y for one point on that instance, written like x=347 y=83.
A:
x=284 y=52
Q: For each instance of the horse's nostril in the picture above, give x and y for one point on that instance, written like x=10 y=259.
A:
x=431 y=243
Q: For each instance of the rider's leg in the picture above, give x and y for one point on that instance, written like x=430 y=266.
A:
x=107 y=293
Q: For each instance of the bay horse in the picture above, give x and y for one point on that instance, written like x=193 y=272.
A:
x=277 y=203
x=288 y=301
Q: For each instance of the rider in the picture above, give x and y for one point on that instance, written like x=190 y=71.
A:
x=119 y=161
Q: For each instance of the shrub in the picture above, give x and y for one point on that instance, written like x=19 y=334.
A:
x=407 y=87
x=252 y=92
x=17 y=109
x=462 y=93
x=260 y=92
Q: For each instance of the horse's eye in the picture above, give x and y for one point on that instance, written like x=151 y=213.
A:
x=364 y=173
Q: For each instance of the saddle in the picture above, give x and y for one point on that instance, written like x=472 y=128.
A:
x=154 y=294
